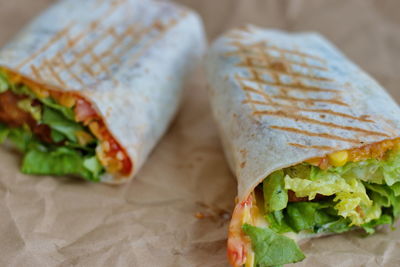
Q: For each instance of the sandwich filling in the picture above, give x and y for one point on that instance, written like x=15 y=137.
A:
x=60 y=133
x=345 y=190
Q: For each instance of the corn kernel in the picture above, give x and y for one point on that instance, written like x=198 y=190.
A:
x=246 y=215
x=83 y=137
x=95 y=129
x=105 y=146
x=339 y=158
x=67 y=100
x=249 y=259
x=114 y=166
x=40 y=92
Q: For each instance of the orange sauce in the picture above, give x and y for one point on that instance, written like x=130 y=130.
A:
x=371 y=151
x=113 y=156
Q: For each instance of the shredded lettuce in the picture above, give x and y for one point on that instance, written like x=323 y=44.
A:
x=66 y=112
x=44 y=159
x=277 y=222
x=4 y=131
x=59 y=123
x=349 y=193
x=61 y=161
x=93 y=165
x=272 y=249
x=384 y=219
x=35 y=111
x=4 y=85
x=362 y=194
x=314 y=217
x=308 y=215
x=275 y=194
x=21 y=138
x=373 y=170
x=72 y=158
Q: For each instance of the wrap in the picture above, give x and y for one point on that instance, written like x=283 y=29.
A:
x=312 y=139
x=89 y=87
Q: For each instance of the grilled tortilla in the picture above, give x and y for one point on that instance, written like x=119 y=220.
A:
x=89 y=87
x=313 y=141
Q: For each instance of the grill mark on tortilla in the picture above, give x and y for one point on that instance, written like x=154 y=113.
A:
x=290 y=61
x=105 y=69
x=171 y=24
x=36 y=72
x=249 y=51
x=44 y=48
x=136 y=38
x=294 y=99
x=269 y=69
x=310 y=100
x=71 y=43
x=64 y=32
x=89 y=48
x=60 y=58
x=88 y=69
x=234 y=35
x=295 y=52
x=314 y=121
x=118 y=39
x=295 y=108
x=266 y=96
x=321 y=135
x=278 y=65
x=53 y=73
x=292 y=86
x=312 y=147
x=245 y=28
x=97 y=60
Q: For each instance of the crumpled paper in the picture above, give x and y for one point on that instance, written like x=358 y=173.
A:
x=176 y=212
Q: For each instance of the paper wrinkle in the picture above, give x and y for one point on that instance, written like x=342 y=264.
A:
x=47 y=221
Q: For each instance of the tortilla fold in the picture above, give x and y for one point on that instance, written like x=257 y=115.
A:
x=126 y=59
x=283 y=99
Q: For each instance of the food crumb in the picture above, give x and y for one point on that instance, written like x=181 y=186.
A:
x=199 y=215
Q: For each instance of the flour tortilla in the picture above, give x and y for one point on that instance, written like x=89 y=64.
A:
x=129 y=58
x=281 y=98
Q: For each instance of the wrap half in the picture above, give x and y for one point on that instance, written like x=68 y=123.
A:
x=312 y=139
x=89 y=87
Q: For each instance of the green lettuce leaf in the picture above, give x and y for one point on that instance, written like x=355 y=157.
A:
x=308 y=215
x=21 y=138
x=35 y=111
x=370 y=227
x=67 y=112
x=350 y=193
x=275 y=194
x=21 y=89
x=61 y=161
x=49 y=159
x=4 y=84
x=4 y=131
x=373 y=170
x=396 y=189
x=277 y=222
x=56 y=136
x=270 y=248
x=94 y=166
x=385 y=196
x=58 y=122
x=316 y=217
x=339 y=226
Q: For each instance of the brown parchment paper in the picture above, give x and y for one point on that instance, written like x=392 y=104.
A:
x=47 y=221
